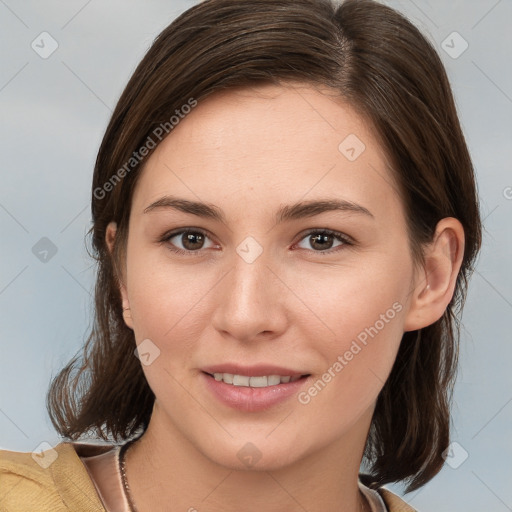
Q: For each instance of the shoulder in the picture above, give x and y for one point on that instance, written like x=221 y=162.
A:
x=25 y=484
x=393 y=502
x=53 y=480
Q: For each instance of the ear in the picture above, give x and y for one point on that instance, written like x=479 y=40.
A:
x=435 y=282
x=110 y=237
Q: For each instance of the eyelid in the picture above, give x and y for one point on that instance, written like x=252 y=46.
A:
x=345 y=239
x=186 y=229
x=337 y=234
x=179 y=231
x=342 y=237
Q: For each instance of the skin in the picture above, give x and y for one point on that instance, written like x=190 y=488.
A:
x=250 y=151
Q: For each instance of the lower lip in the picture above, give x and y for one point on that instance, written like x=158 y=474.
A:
x=245 y=398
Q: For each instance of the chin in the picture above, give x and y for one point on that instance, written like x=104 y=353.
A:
x=257 y=455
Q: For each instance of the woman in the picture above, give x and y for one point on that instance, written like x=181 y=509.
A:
x=284 y=218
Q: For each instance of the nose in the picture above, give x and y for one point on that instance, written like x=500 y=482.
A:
x=252 y=301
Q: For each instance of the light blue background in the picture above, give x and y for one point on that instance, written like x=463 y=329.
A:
x=54 y=112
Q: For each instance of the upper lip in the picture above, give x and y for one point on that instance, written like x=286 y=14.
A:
x=252 y=371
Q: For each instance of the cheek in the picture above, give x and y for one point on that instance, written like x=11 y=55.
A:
x=344 y=302
x=357 y=328
x=168 y=302
x=168 y=308
x=357 y=363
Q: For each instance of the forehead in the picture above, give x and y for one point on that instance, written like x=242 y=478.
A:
x=263 y=142
x=291 y=119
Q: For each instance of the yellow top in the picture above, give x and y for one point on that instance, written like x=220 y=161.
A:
x=57 y=481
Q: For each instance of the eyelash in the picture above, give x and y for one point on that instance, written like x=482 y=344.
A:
x=341 y=237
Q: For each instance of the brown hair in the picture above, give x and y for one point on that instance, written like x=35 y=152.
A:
x=383 y=67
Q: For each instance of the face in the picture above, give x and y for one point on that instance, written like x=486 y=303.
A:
x=264 y=277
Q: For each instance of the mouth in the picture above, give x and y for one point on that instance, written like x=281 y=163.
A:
x=264 y=387
x=255 y=381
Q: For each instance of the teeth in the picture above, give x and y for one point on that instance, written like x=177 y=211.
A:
x=259 y=382
x=240 y=380
x=273 y=380
x=254 y=382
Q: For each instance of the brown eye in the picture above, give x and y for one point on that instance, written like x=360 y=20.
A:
x=187 y=241
x=192 y=241
x=323 y=240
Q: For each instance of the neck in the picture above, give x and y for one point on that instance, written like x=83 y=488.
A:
x=163 y=467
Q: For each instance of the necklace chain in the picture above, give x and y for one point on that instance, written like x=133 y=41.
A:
x=122 y=469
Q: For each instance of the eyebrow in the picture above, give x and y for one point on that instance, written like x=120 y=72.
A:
x=299 y=210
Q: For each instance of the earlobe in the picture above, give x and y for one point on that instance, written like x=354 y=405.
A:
x=127 y=314
x=434 y=285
